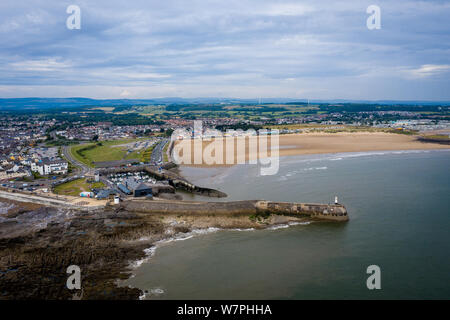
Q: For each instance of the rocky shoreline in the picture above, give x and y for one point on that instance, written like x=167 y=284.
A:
x=38 y=243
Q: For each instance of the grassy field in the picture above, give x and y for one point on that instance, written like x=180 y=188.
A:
x=145 y=156
x=165 y=156
x=342 y=128
x=103 y=151
x=134 y=155
x=250 y=112
x=437 y=136
x=75 y=187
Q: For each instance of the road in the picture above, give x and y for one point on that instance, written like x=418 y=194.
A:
x=157 y=153
x=83 y=168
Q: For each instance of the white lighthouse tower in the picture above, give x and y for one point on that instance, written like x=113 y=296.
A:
x=336 y=200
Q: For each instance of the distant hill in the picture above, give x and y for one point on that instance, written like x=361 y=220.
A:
x=51 y=103
x=35 y=103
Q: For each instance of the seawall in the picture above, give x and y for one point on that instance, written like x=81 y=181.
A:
x=46 y=201
x=334 y=212
x=331 y=212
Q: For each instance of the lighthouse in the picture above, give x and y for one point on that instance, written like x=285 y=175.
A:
x=336 y=200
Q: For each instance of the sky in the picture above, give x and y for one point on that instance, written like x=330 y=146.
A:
x=228 y=49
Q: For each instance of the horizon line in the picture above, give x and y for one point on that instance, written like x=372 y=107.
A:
x=236 y=98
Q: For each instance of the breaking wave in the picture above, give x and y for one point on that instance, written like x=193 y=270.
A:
x=290 y=224
x=313 y=159
x=345 y=155
x=150 y=252
x=151 y=292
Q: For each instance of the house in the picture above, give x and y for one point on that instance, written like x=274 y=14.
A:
x=11 y=174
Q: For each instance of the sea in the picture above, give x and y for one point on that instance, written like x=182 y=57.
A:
x=399 y=208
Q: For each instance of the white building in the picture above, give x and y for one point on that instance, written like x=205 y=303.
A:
x=47 y=167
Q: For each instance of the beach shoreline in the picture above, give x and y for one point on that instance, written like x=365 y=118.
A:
x=313 y=143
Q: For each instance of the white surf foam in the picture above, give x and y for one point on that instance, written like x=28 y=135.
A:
x=239 y=229
x=287 y=225
x=344 y=155
x=151 y=292
x=278 y=226
x=150 y=252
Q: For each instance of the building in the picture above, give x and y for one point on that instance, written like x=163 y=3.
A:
x=11 y=174
x=137 y=188
x=104 y=194
x=124 y=189
x=142 y=190
x=46 y=167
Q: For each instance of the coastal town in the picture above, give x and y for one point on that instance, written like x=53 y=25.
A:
x=40 y=151
x=108 y=184
x=237 y=159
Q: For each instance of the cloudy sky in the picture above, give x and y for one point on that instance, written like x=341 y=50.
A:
x=229 y=48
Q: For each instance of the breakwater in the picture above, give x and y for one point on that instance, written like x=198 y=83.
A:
x=331 y=212
x=335 y=212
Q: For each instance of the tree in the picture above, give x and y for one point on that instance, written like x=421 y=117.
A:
x=168 y=132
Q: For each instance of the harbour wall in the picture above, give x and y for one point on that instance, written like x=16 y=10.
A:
x=331 y=212
x=335 y=212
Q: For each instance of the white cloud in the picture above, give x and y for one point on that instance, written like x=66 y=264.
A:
x=428 y=70
x=137 y=73
x=144 y=75
x=125 y=93
x=236 y=48
x=51 y=64
x=286 y=9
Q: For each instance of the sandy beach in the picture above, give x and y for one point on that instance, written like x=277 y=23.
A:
x=316 y=143
x=300 y=144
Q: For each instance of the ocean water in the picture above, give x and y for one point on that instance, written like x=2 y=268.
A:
x=399 y=208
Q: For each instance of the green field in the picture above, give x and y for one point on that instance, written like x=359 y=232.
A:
x=342 y=128
x=145 y=156
x=103 y=151
x=165 y=156
x=75 y=187
x=437 y=136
